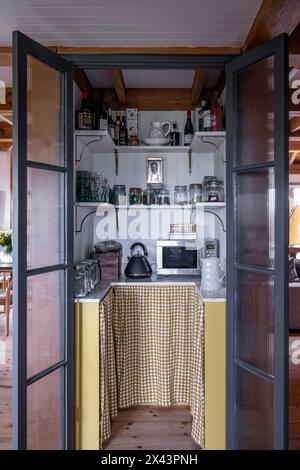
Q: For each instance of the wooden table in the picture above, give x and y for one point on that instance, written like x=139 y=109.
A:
x=6 y=267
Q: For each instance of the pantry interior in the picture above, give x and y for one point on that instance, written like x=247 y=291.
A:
x=156 y=95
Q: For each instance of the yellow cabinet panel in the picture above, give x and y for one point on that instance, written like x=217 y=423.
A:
x=87 y=376
x=215 y=376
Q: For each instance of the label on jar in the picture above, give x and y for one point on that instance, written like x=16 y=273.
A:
x=85 y=120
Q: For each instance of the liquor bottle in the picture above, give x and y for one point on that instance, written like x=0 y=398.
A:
x=103 y=121
x=207 y=117
x=111 y=124
x=175 y=135
x=84 y=116
x=96 y=108
x=188 y=130
x=123 y=132
x=117 y=128
x=216 y=113
x=201 y=115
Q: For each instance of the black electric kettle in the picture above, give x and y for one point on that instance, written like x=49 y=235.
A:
x=138 y=267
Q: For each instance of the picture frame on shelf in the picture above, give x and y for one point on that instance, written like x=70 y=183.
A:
x=155 y=170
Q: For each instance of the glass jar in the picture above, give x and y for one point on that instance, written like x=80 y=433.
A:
x=135 y=196
x=80 y=281
x=83 y=186
x=213 y=189
x=119 y=194
x=89 y=266
x=163 y=197
x=180 y=195
x=195 y=193
x=148 y=197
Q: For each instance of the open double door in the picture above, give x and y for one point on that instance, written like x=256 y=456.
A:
x=257 y=248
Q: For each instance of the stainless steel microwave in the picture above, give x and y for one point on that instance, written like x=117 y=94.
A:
x=180 y=257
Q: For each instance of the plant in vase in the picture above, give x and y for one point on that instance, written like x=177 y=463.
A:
x=6 y=246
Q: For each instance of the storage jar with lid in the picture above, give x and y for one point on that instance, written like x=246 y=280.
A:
x=180 y=195
x=148 y=197
x=213 y=189
x=135 y=196
x=164 y=197
x=195 y=193
x=119 y=195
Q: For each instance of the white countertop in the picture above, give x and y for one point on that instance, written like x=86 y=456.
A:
x=208 y=296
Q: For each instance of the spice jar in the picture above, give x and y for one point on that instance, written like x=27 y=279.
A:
x=119 y=194
x=195 y=193
x=135 y=196
x=164 y=197
x=180 y=195
x=148 y=197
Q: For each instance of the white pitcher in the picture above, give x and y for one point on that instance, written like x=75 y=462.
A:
x=157 y=130
x=210 y=274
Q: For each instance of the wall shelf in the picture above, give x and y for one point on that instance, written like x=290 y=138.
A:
x=101 y=142
x=205 y=205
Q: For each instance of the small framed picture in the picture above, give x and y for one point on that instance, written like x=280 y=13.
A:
x=155 y=170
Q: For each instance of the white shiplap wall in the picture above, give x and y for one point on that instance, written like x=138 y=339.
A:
x=132 y=172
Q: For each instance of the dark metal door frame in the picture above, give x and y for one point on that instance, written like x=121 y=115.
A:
x=277 y=47
x=22 y=47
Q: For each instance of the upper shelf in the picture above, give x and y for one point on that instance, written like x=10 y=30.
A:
x=101 y=142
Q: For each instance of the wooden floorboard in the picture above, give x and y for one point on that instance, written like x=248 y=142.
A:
x=5 y=388
x=152 y=428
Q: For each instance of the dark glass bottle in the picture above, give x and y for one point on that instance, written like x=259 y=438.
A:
x=111 y=124
x=188 y=130
x=85 y=115
x=117 y=128
x=175 y=135
x=103 y=119
x=123 y=132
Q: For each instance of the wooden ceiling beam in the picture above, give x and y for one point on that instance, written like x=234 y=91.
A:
x=273 y=18
x=198 y=83
x=5 y=131
x=119 y=85
x=292 y=158
x=82 y=81
x=150 y=50
x=150 y=99
x=294 y=124
x=7 y=106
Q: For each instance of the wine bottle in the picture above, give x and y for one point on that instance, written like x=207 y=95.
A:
x=201 y=115
x=123 y=132
x=207 y=117
x=117 y=128
x=84 y=116
x=111 y=124
x=103 y=120
x=216 y=113
x=188 y=130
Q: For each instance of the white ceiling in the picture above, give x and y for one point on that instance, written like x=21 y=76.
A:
x=129 y=22
x=150 y=78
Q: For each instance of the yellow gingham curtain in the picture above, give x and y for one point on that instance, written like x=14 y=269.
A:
x=152 y=352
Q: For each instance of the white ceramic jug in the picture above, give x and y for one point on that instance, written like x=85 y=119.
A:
x=210 y=274
x=157 y=130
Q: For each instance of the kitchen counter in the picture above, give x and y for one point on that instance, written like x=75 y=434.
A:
x=208 y=296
